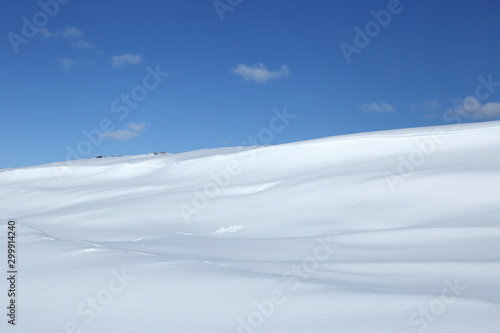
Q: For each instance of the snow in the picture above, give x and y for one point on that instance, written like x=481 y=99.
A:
x=394 y=231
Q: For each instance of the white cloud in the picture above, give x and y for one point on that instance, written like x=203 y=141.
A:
x=470 y=106
x=138 y=127
x=66 y=63
x=71 y=32
x=488 y=111
x=260 y=73
x=82 y=44
x=133 y=130
x=377 y=107
x=126 y=59
x=68 y=32
x=45 y=33
x=429 y=105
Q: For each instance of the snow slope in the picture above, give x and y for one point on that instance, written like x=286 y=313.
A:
x=394 y=231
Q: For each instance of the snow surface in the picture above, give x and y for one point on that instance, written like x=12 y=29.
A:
x=394 y=231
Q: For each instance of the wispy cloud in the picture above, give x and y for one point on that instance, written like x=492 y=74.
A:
x=470 y=106
x=377 y=107
x=82 y=44
x=70 y=33
x=133 y=130
x=260 y=73
x=66 y=63
x=45 y=33
x=126 y=59
x=429 y=105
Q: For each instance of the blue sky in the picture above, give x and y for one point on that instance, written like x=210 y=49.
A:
x=277 y=71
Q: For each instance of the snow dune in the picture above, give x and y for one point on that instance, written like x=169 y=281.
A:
x=393 y=231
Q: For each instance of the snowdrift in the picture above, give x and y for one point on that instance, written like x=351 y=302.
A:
x=393 y=231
